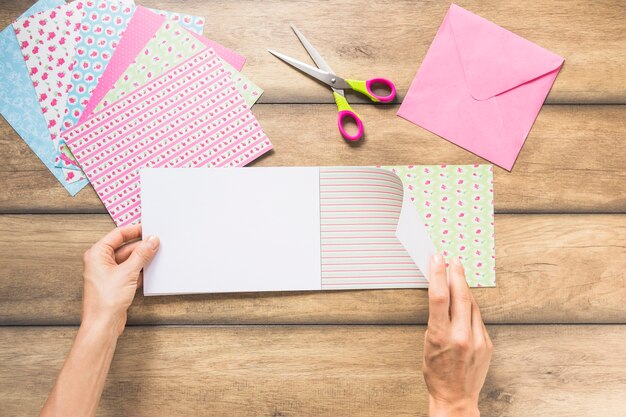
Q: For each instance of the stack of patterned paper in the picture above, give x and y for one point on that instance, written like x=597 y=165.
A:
x=102 y=88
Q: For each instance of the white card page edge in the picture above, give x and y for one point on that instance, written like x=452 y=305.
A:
x=414 y=236
x=169 y=191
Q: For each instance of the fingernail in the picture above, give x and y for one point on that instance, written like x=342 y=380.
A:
x=457 y=261
x=153 y=242
x=438 y=259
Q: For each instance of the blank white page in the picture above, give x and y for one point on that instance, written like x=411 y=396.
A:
x=232 y=229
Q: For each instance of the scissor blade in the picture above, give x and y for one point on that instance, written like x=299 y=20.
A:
x=321 y=75
x=315 y=56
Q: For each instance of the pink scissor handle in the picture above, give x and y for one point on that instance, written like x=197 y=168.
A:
x=387 y=84
x=348 y=114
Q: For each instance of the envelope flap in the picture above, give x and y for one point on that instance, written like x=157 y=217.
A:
x=495 y=60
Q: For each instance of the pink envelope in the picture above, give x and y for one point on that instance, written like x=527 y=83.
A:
x=480 y=87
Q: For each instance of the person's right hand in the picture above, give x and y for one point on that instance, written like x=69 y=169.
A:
x=457 y=347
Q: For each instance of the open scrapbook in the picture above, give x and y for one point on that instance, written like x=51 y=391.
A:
x=315 y=228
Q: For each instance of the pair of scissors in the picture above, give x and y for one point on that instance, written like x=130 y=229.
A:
x=325 y=74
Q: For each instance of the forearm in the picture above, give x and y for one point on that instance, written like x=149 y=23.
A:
x=80 y=383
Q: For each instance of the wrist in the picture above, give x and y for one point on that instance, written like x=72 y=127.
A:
x=101 y=324
x=461 y=408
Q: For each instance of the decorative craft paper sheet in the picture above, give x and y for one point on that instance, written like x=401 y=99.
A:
x=170 y=46
x=196 y=26
x=360 y=209
x=48 y=42
x=190 y=22
x=141 y=28
x=191 y=116
x=455 y=203
x=19 y=102
x=100 y=31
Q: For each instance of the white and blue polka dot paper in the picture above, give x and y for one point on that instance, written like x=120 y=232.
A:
x=101 y=28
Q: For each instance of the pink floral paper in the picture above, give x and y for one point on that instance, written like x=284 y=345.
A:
x=48 y=42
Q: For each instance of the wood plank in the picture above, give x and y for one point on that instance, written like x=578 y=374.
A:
x=573 y=160
x=320 y=371
x=550 y=269
x=588 y=34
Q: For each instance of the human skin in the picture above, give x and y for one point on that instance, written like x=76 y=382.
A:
x=112 y=273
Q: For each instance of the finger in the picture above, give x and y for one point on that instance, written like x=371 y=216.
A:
x=142 y=254
x=485 y=332
x=478 y=328
x=124 y=252
x=460 y=297
x=140 y=280
x=438 y=292
x=487 y=337
x=118 y=236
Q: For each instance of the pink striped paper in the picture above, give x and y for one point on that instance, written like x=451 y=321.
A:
x=359 y=212
x=191 y=116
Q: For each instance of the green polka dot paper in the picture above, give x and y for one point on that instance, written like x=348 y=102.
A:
x=170 y=46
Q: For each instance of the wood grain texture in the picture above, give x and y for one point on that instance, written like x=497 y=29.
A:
x=390 y=38
x=573 y=160
x=320 y=371
x=550 y=269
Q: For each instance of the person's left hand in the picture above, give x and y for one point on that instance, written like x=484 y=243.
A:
x=112 y=273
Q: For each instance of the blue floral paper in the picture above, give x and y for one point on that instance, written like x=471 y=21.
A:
x=18 y=100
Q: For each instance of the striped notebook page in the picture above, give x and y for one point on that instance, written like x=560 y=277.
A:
x=191 y=116
x=360 y=209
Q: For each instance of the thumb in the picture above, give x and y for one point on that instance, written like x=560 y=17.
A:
x=142 y=254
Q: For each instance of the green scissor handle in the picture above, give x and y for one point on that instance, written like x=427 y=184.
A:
x=365 y=88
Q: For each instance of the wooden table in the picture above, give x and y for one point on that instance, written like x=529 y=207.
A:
x=557 y=316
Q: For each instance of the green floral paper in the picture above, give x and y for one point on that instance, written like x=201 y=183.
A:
x=455 y=203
